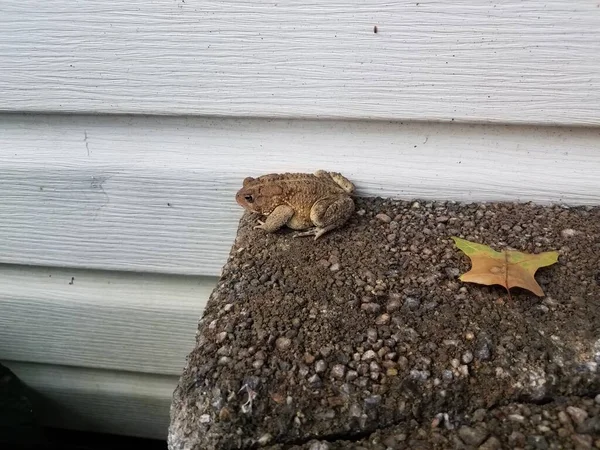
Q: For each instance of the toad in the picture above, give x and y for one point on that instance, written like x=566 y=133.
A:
x=315 y=203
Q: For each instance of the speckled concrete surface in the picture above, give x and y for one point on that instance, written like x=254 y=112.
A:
x=367 y=339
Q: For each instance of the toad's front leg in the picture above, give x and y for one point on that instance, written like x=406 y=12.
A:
x=277 y=219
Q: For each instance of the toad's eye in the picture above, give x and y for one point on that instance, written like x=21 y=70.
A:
x=249 y=198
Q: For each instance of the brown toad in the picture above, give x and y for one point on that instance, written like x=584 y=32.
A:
x=316 y=202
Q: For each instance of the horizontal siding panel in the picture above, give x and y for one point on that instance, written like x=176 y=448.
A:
x=103 y=401
x=120 y=321
x=156 y=194
x=534 y=62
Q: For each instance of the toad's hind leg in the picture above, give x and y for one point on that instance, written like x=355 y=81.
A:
x=329 y=213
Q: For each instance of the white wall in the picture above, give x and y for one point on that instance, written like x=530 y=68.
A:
x=127 y=127
x=476 y=60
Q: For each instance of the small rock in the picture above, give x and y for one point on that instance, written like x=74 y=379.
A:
x=483 y=351
x=391 y=372
x=383 y=319
x=257 y=364
x=563 y=418
x=363 y=369
x=383 y=217
x=467 y=357
x=338 y=371
x=416 y=205
x=372 y=335
x=568 y=232
x=315 y=380
x=265 y=439
x=582 y=441
x=308 y=358
x=420 y=374
x=221 y=336
x=351 y=375
x=411 y=303
x=491 y=444
x=447 y=375
x=597 y=399
x=469 y=336
x=283 y=343
x=224 y=360
x=577 y=414
x=393 y=304
x=335 y=267
x=374 y=367
x=326 y=350
x=371 y=307
x=590 y=426
x=537 y=442
x=442 y=219
x=319 y=445
x=452 y=272
x=354 y=411
x=479 y=414
x=369 y=355
x=472 y=436
x=320 y=366
x=224 y=414
x=372 y=401
x=516 y=418
x=463 y=369
x=204 y=418
x=516 y=439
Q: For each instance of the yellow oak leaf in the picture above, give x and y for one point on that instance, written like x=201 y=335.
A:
x=508 y=268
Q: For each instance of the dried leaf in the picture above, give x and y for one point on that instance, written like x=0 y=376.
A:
x=508 y=268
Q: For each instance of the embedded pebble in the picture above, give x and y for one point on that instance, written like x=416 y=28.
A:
x=568 y=232
x=374 y=367
x=320 y=366
x=383 y=319
x=314 y=380
x=597 y=399
x=472 y=436
x=369 y=355
x=335 y=267
x=516 y=418
x=577 y=414
x=393 y=304
x=283 y=343
x=258 y=363
x=483 y=352
x=319 y=445
x=351 y=375
x=467 y=357
x=411 y=303
x=265 y=439
x=338 y=371
x=383 y=217
x=492 y=443
x=372 y=334
x=371 y=307
x=420 y=374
